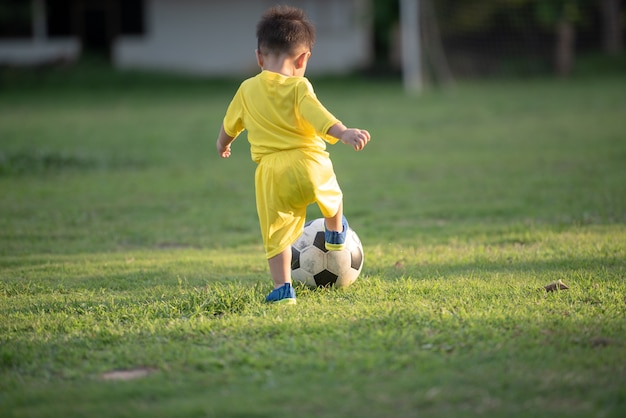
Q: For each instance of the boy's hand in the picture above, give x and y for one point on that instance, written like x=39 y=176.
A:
x=224 y=152
x=223 y=143
x=357 y=138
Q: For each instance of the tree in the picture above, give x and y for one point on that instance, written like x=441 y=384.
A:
x=561 y=15
x=613 y=43
x=385 y=18
x=481 y=22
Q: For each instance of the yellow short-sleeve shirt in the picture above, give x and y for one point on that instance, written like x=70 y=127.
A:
x=280 y=113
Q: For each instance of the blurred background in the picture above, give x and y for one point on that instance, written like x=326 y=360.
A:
x=455 y=38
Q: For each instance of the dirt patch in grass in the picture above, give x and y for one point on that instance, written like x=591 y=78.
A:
x=127 y=374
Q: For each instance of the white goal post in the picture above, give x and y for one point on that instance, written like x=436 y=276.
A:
x=411 y=48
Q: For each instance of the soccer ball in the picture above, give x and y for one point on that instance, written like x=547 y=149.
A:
x=314 y=266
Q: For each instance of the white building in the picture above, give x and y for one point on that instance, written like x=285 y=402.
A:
x=206 y=37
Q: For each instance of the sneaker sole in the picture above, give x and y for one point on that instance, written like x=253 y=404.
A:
x=334 y=247
x=286 y=301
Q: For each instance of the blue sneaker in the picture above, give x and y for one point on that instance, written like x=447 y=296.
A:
x=334 y=240
x=284 y=294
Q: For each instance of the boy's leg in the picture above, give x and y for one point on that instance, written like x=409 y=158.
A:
x=280 y=269
x=336 y=229
x=334 y=223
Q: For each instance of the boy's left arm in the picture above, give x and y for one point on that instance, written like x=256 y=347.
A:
x=357 y=138
x=223 y=143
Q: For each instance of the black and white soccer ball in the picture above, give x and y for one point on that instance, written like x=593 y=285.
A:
x=314 y=266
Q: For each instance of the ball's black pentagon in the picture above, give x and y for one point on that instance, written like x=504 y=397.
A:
x=325 y=278
x=295 y=259
x=356 y=256
x=319 y=241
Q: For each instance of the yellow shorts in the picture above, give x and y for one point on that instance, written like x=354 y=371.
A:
x=286 y=183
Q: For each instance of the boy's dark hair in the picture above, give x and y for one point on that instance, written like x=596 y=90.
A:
x=282 y=29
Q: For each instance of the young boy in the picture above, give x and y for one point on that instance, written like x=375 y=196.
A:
x=287 y=127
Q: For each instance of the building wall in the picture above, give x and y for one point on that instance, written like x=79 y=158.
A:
x=218 y=38
x=207 y=37
x=29 y=52
x=35 y=48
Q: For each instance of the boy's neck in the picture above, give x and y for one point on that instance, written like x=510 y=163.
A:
x=284 y=64
x=280 y=65
x=283 y=70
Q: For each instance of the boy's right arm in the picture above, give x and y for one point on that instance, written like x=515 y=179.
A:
x=223 y=143
x=357 y=138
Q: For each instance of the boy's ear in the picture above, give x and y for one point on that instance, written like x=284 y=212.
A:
x=259 y=58
x=302 y=59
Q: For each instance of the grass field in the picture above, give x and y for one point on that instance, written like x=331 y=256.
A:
x=133 y=276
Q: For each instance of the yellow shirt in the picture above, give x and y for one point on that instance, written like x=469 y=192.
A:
x=280 y=113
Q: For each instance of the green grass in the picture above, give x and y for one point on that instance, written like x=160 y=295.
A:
x=126 y=243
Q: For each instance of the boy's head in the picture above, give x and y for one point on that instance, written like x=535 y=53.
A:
x=284 y=30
